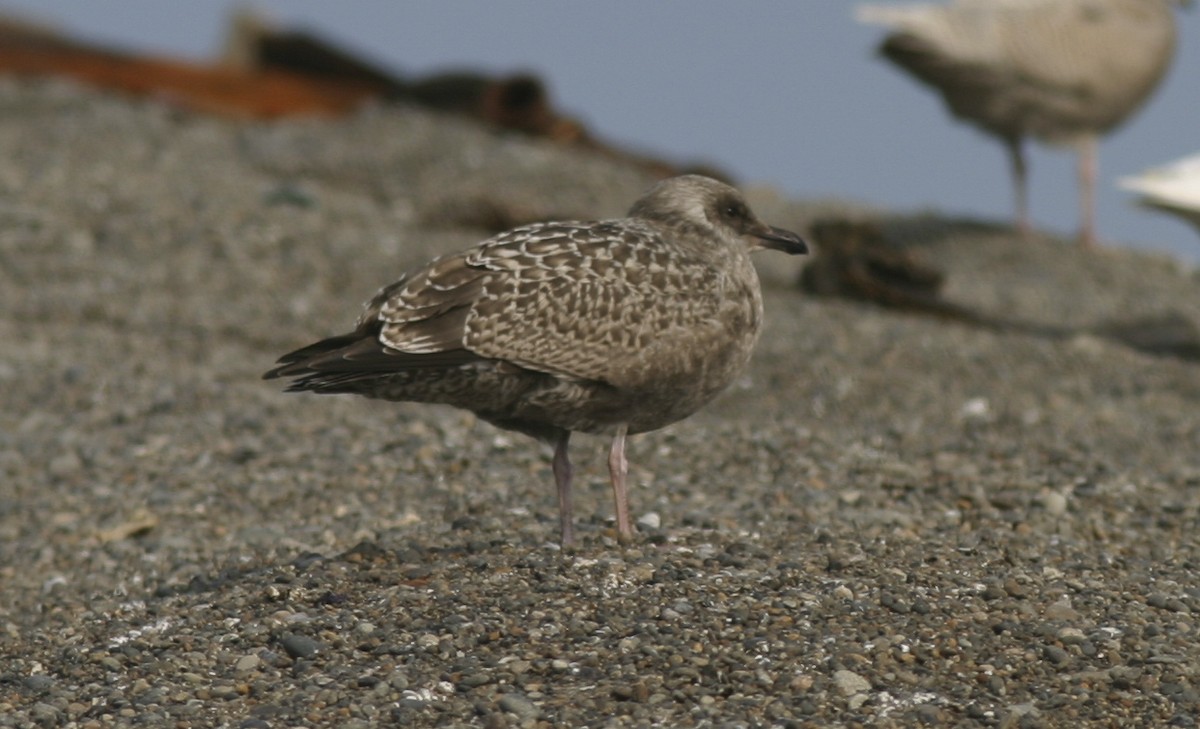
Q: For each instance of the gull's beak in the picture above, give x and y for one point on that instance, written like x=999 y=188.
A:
x=779 y=239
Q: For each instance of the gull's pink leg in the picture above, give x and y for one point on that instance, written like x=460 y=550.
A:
x=1087 y=191
x=1016 y=158
x=618 y=469
x=562 y=479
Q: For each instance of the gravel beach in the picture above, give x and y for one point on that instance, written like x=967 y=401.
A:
x=889 y=521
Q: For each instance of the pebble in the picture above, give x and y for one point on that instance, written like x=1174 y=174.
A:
x=519 y=705
x=38 y=683
x=1055 y=503
x=45 y=715
x=850 y=683
x=1056 y=655
x=1061 y=610
x=650 y=520
x=299 y=646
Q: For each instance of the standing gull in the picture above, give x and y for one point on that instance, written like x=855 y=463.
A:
x=615 y=327
x=1061 y=71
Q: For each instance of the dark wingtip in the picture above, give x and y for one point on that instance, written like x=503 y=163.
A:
x=285 y=366
x=299 y=362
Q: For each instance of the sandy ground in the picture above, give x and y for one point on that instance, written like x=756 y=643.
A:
x=888 y=521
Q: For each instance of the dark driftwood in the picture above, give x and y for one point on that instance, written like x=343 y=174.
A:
x=855 y=259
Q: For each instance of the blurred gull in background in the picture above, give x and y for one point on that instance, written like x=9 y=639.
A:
x=1173 y=188
x=1061 y=71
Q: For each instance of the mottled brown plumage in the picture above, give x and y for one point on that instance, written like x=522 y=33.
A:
x=1061 y=71
x=614 y=327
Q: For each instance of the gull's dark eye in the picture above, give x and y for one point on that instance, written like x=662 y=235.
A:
x=734 y=211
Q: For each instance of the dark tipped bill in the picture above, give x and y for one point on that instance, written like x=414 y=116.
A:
x=780 y=240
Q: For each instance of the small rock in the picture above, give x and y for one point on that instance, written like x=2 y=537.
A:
x=929 y=715
x=38 y=682
x=224 y=692
x=300 y=646
x=638 y=692
x=894 y=603
x=522 y=707
x=398 y=680
x=994 y=592
x=1056 y=655
x=977 y=408
x=519 y=666
x=650 y=520
x=1054 y=503
x=850 y=683
x=1061 y=610
x=44 y=714
x=471 y=680
x=1016 y=712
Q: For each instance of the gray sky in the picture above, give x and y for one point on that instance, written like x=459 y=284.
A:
x=786 y=93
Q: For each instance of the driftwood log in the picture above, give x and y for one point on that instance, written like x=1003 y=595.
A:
x=855 y=259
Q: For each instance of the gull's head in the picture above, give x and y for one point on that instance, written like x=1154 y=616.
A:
x=702 y=203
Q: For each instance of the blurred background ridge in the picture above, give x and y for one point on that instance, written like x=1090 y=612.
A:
x=789 y=96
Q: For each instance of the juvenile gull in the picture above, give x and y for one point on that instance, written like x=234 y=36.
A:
x=615 y=327
x=1062 y=71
